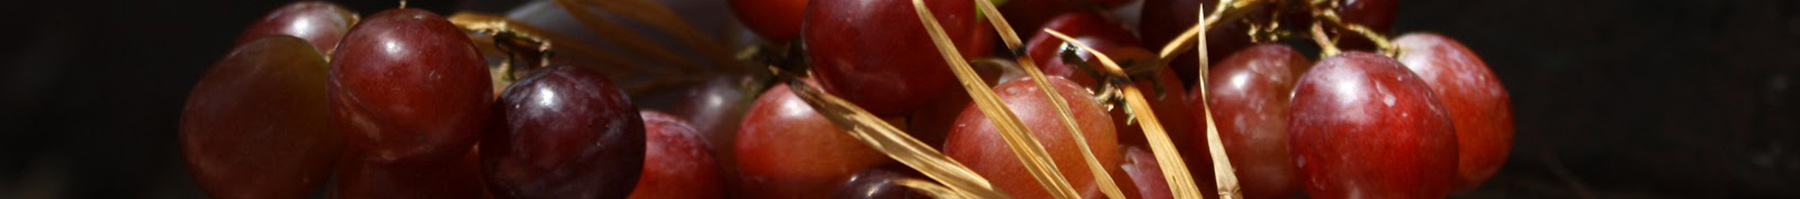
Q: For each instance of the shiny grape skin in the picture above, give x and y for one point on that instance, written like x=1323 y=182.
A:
x=876 y=53
x=321 y=23
x=1362 y=126
x=787 y=150
x=1478 y=102
x=677 y=162
x=1249 y=100
x=408 y=86
x=975 y=141
x=258 y=124
x=567 y=132
x=878 y=183
x=459 y=177
x=775 y=20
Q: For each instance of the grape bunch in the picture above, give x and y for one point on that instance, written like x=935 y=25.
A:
x=400 y=104
x=1415 y=116
x=407 y=103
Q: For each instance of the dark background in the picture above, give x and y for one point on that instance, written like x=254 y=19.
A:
x=1613 y=98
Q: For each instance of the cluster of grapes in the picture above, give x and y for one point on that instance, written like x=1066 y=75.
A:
x=1417 y=116
x=402 y=104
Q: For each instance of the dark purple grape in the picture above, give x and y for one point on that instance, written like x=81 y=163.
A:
x=877 y=183
x=566 y=132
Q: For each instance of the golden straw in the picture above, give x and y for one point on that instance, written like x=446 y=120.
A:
x=1024 y=145
x=1181 y=184
x=897 y=144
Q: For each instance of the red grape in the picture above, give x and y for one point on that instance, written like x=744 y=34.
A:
x=976 y=143
x=981 y=42
x=566 y=132
x=1249 y=100
x=1362 y=126
x=1184 y=131
x=677 y=162
x=876 y=54
x=1142 y=170
x=258 y=124
x=321 y=23
x=1477 y=102
x=776 y=20
x=408 y=86
x=457 y=177
x=786 y=150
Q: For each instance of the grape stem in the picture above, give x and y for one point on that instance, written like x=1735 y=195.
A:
x=1327 y=44
x=1325 y=11
x=1226 y=10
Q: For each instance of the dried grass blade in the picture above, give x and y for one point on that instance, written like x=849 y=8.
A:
x=897 y=144
x=1101 y=176
x=1023 y=144
x=1226 y=9
x=1181 y=183
x=1223 y=173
